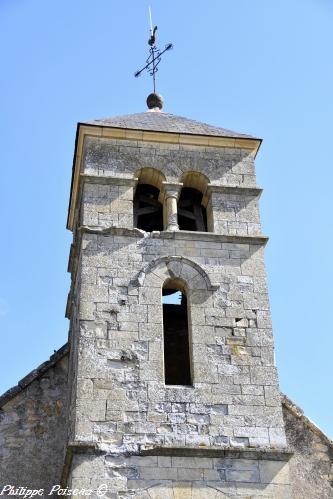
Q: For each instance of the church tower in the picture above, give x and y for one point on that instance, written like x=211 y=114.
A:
x=174 y=392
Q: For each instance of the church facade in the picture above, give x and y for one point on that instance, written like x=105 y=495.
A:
x=167 y=386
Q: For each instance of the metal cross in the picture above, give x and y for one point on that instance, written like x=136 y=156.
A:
x=154 y=57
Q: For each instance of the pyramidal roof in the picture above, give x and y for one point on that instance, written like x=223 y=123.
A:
x=159 y=121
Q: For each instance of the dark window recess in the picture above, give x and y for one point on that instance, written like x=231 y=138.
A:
x=177 y=366
x=148 y=211
x=191 y=214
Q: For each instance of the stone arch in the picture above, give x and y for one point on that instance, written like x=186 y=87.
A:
x=176 y=267
x=196 y=180
x=151 y=176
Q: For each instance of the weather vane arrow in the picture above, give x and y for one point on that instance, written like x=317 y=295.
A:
x=155 y=55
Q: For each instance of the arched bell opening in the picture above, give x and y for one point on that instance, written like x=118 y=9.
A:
x=192 y=214
x=147 y=209
x=192 y=203
x=177 y=361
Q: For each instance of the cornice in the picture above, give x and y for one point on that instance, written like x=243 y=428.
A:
x=104 y=179
x=235 y=189
x=169 y=137
x=178 y=235
x=265 y=453
x=259 y=453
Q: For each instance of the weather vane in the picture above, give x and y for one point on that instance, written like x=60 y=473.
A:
x=155 y=54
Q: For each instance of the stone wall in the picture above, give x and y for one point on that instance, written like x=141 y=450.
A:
x=33 y=428
x=120 y=404
x=118 y=163
x=184 y=477
x=311 y=466
x=121 y=158
x=121 y=395
x=234 y=212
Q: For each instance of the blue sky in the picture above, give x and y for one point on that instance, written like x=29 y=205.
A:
x=263 y=68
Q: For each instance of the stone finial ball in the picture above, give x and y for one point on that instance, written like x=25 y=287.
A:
x=154 y=100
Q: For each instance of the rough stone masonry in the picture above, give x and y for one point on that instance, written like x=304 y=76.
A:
x=126 y=428
x=225 y=432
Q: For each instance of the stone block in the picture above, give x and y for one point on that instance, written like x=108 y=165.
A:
x=175 y=440
x=252 y=389
x=190 y=474
x=202 y=334
x=263 y=375
x=242 y=475
x=198 y=440
x=93 y=293
x=274 y=472
x=161 y=492
x=85 y=465
x=164 y=461
x=264 y=319
x=145 y=461
x=85 y=388
x=150 y=296
x=150 y=331
x=205 y=373
x=177 y=418
x=87 y=310
x=198 y=418
x=113 y=484
x=192 y=462
x=212 y=475
x=155 y=314
x=92 y=410
x=151 y=473
x=240 y=442
x=250 y=431
x=182 y=490
x=203 y=490
x=277 y=437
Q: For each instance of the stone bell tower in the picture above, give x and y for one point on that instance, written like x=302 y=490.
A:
x=174 y=392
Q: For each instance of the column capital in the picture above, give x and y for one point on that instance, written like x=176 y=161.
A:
x=171 y=190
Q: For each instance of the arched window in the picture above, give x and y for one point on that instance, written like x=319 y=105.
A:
x=191 y=213
x=177 y=364
x=192 y=203
x=148 y=211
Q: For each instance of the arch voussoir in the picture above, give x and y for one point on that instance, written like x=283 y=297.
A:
x=175 y=267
